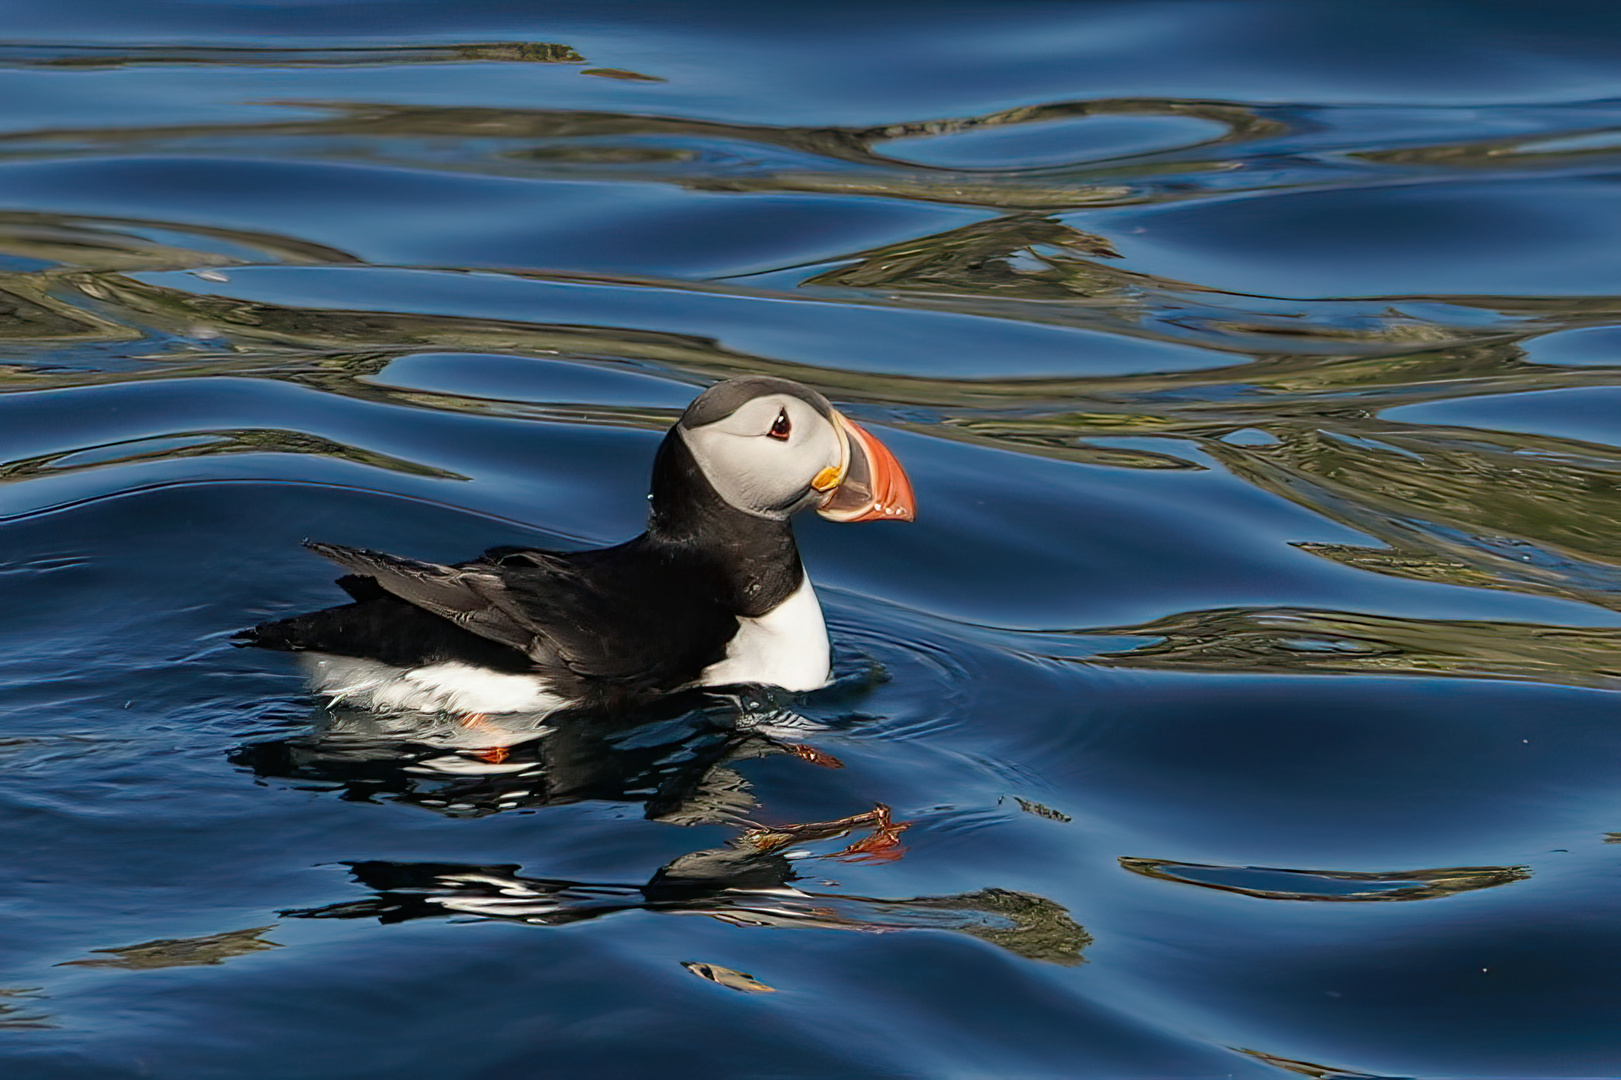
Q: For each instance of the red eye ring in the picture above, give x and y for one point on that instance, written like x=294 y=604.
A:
x=780 y=427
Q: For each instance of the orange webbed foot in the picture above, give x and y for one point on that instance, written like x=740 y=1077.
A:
x=883 y=844
x=495 y=755
x=806 y=752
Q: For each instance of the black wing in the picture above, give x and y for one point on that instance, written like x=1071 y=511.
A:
x=629 y=621
x=472 y=597
x=639 y=615
x=386 y=629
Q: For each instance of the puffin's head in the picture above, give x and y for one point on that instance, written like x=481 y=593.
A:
x=771 y=447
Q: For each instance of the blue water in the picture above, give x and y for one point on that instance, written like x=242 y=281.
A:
x=1244 y=697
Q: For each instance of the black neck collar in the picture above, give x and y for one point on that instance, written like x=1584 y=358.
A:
x=756 y=556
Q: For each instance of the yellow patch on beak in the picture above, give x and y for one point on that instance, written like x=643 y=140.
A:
x=828 y=479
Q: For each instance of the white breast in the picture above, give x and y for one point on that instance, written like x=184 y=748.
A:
x=446 y=687
x=786 y=647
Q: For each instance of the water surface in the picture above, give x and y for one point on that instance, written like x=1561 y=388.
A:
x=1240 y=704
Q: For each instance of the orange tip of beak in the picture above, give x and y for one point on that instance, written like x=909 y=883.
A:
x=874 y=486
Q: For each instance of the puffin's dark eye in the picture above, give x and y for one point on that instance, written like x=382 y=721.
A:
x=779 y=427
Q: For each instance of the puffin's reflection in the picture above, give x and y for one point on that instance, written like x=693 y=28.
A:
x=673 y=761
x=738 y=884
x=676 y=763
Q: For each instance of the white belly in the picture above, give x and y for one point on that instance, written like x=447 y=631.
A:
x=785 y=647
x=446 y=687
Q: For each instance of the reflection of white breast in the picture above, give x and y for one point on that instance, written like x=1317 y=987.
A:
x=786 y=647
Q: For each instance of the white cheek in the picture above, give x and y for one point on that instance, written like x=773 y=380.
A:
x=820 y=450
x=751 y=472
x=755 y=472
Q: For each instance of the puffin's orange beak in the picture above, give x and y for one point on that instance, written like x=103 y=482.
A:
x=870 y=485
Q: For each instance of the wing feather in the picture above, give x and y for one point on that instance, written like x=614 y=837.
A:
x=584 y=613
x=470 y=598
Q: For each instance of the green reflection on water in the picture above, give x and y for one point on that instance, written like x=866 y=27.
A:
x=1336 y=886
x=1305 y=378
x=208 y=949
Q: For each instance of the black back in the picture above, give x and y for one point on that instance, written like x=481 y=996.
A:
x=608 y=629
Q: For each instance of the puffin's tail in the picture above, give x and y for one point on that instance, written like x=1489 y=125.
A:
x=290 y=635
x=317 y=630
x=385 y=629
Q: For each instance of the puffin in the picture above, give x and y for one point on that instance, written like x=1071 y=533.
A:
x=712 y=594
